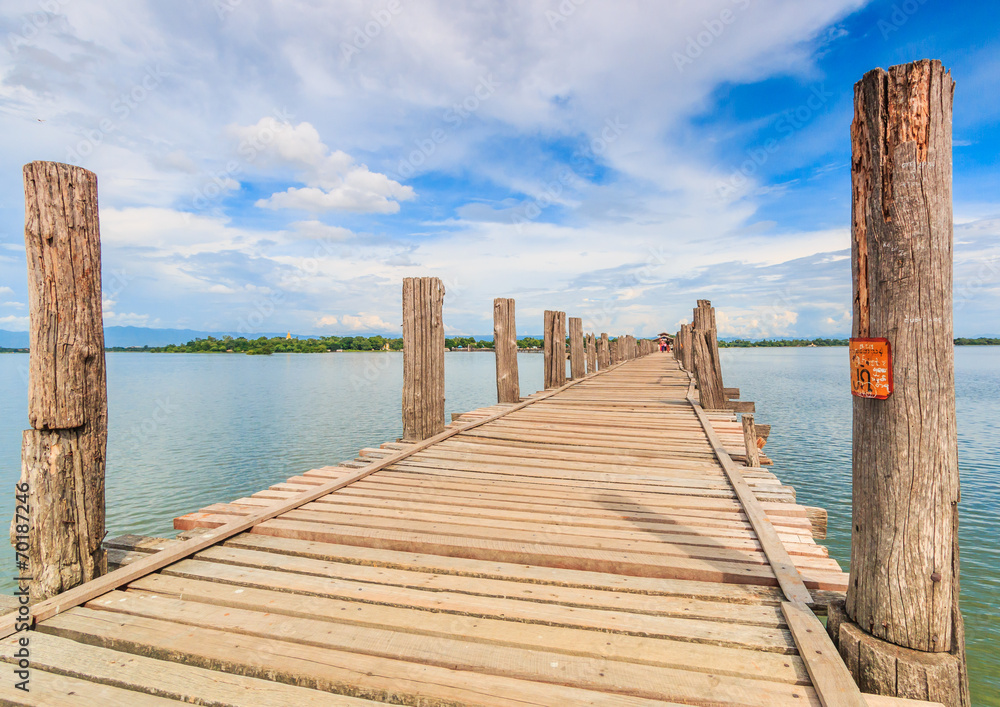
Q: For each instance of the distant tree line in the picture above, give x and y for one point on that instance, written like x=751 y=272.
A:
x=981 y=341
x=278 y=344
x=743 y=343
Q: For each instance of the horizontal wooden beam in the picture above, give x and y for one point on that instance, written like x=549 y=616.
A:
x=740 y=406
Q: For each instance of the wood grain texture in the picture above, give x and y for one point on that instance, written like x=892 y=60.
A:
x=66 y=476
x=591 y=354
x=505 y=345
x=63 y=457
x=904 y=564
x=788 y=576
x=709 y=390
x=66 y=333
x=555 y=349
x=830 y=677
x=750 y=441
x=85 y=592
x=423 y=358
x=577 y=362
x=604 y=352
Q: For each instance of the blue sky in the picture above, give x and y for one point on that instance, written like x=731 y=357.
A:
x=269 y=166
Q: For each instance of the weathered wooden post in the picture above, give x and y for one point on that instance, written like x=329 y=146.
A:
x=555 y=349
x=750 y=440
x=687 y=348
x=903 y=634
x=577 y=365
x=63 y=455
x=710 y=392
x=505 y=347
x=704 y=319
x=423 y=358
x=591 y=354
x=603 y=352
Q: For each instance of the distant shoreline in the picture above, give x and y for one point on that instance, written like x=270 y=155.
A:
x=368 y=345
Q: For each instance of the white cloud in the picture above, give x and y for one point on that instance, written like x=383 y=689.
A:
x=321 y=231
x=333 y=181
x=365 y=323
x=757 y=323
x=128 y=319
x=14 y=323
x=4 y=290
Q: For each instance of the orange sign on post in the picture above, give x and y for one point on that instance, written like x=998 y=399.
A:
x=871 y=368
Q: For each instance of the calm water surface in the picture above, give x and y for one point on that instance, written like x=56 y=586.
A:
x=188 y=430
x=803 y=394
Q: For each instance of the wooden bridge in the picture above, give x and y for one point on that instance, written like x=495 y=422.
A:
x=608 y=541
x=593 y=544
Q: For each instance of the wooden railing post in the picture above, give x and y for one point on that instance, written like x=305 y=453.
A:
x=555 y=349
x=603 y=352
x=750 y=441
x=423 y=358
x=63 y=455
x=591 y=354
x=577 y=365
x=505 y=346
x=902 y=601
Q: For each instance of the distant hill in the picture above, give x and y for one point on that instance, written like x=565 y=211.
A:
x=134 y=336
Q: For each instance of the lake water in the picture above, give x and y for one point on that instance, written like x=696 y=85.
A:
x=188 y=430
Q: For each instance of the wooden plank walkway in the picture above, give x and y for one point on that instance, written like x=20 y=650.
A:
x=588 y=548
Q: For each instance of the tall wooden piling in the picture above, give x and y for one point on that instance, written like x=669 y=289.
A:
x=63 y=455
x=591 y=354
x=505 y=346
x=555 y=349
x=423 y=358
x=687 y=348
x=903 y=633
x=710 y=392
x=704 y=319
x=750 y=441
x=577 y=364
